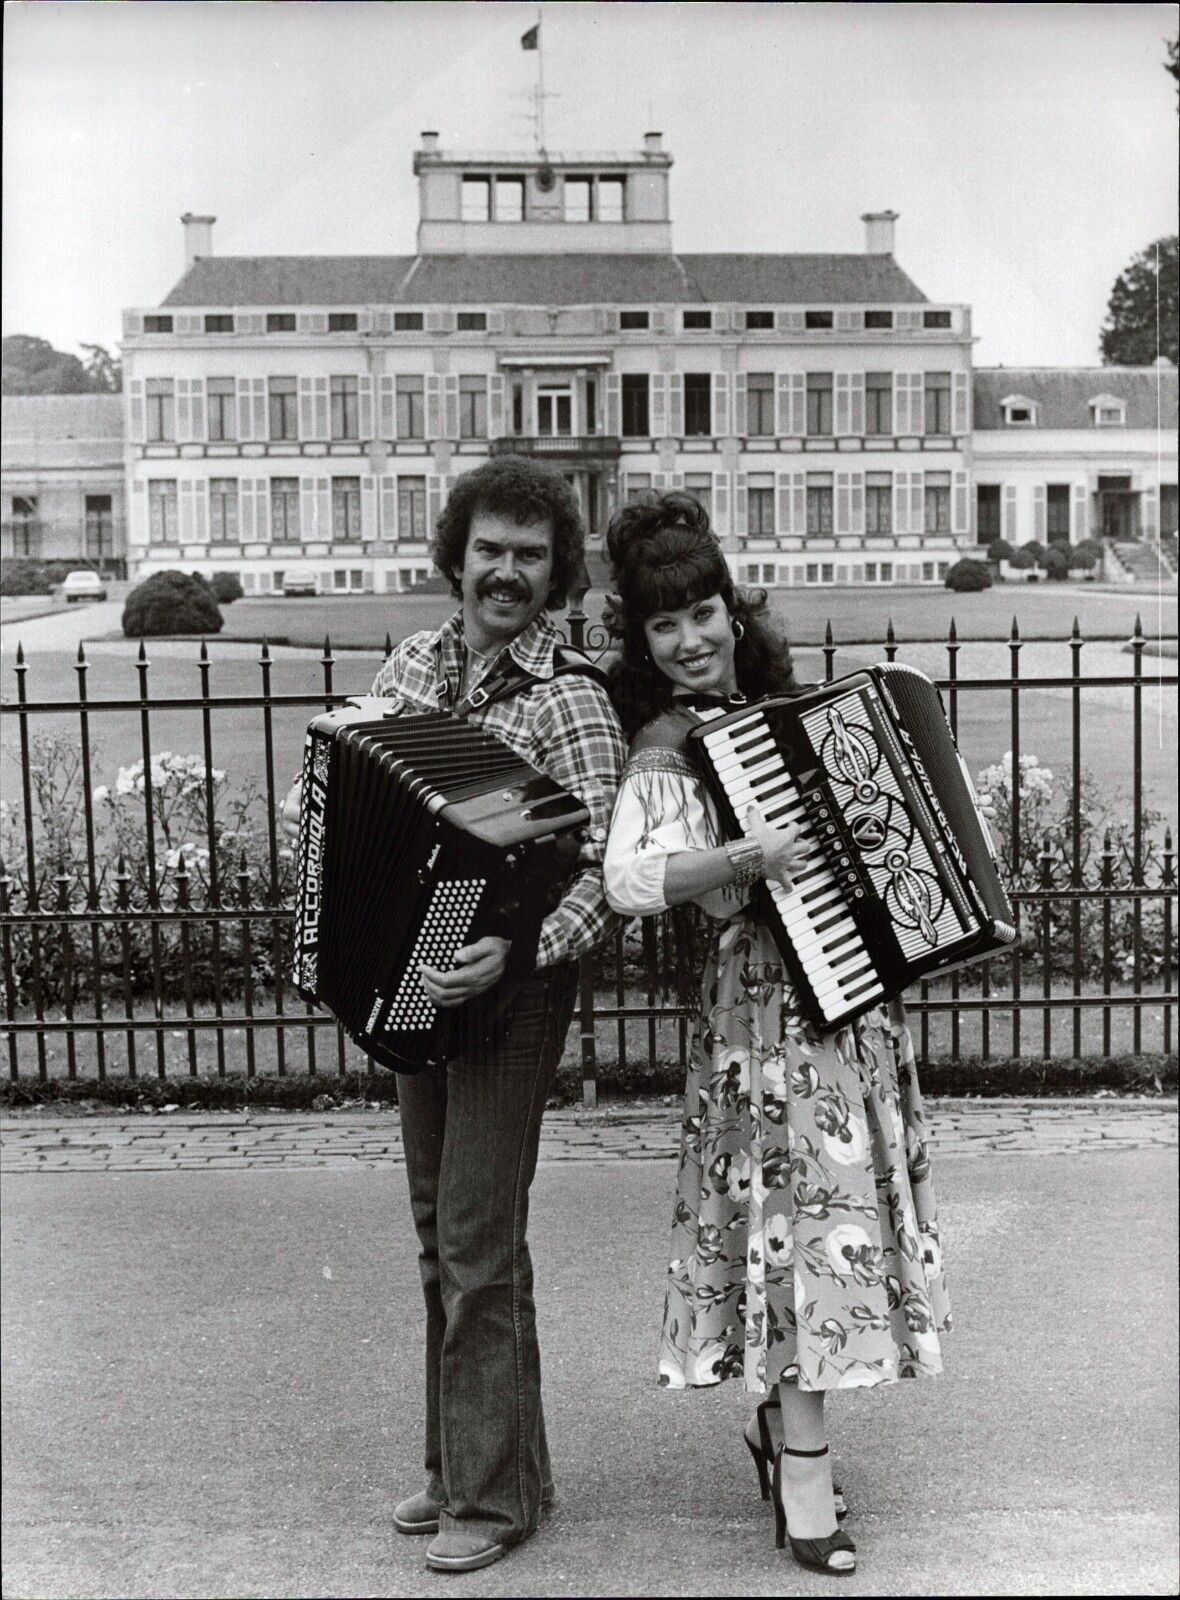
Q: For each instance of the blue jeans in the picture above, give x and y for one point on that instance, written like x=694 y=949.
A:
x=471 y=1130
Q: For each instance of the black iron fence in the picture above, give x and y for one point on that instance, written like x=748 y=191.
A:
x=145 y=924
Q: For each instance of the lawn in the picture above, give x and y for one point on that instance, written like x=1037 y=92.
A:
x=1041 y=610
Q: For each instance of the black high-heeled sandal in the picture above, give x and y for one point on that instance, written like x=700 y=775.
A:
x=813 y=1553
x=763 y=1454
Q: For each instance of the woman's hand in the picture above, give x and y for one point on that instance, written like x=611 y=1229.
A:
x=782 y=849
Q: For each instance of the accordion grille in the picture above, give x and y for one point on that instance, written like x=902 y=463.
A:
x=444 y=930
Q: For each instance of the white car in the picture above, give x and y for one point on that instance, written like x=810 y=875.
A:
x=82 y=585
x=300 y=580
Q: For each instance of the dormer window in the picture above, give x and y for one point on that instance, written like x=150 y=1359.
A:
x=1108 y=411
x=817 y=319
x=472 y=322
x=577 y=199
x=219 y=322
x=633 y=321
x=509 y=199
x=936 y=319
x=610 y=199
x=341 y=321
x=878 y=319
x=1019 y=412
x=698 y=321
x=759 y=319
x=477 y=199
x=157 y=324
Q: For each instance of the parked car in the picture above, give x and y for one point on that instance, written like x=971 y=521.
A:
x=300 y=580
x=82 y=585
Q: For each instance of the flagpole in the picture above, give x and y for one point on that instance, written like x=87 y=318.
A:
x=540 y=84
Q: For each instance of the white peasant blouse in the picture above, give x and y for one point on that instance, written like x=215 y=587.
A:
x=662 y=808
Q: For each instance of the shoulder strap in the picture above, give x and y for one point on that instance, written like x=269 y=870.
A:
x=510 y=679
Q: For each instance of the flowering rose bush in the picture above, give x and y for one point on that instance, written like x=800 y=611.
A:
x=203 y=838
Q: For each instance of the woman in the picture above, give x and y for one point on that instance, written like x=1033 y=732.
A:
x=805 y=1245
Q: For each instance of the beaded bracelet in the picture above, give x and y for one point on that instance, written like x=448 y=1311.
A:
x=748 y=862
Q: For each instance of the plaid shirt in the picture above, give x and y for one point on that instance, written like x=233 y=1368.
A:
x=565 y=726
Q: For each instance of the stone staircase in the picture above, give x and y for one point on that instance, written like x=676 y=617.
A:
x=1141 y=562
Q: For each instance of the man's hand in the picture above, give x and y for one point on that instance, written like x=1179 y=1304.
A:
x=477 y=967
x=290 y=812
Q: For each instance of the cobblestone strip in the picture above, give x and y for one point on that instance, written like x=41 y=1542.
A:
x=349 y=1140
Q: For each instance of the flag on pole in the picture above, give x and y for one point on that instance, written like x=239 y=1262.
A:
x=532 y=39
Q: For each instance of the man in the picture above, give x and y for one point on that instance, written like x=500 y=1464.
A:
x=509 y=540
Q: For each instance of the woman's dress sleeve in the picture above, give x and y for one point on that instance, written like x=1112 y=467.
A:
x=661 y=810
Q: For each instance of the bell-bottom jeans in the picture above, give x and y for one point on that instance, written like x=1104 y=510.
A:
x=471 y=1130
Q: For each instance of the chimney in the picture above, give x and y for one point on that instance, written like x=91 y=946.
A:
x=429 y=141
x=879 y=232
x=198 y=237
x=652 y=143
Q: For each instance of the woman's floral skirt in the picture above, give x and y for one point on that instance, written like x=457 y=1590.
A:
x=805 y=1241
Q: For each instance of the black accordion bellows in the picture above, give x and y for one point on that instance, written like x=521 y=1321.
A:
x=418 y=835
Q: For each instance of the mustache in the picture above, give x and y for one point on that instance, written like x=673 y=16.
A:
x=518 y=590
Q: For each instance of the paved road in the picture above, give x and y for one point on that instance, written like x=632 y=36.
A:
x=211 y=1388
x=217 y=1141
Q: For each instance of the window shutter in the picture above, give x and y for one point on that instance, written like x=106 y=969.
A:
x=194 y=511
x=440 y=322
x=960 y=404
x=138 y=529
x=187 y=324
x=799 y=502
x=495 y=405
x=721 y=319
x=433 y=406
x=856 y=489
x=907 y=320
x=740 y=410
x=451 y=404
x=307 y=510
x=306 y=409
x=960 y=509
x=609 y=319
x=368 y=507
x=676 y=405
x=1077 y=531
x=614 y=404
x=790 y=321
x=843 y=516
x=434 y=501
x=495 y=322
x=901 y=502
x=245 y=413
x=132 y=324
x=262 y=510
x=720 y=404
x=721 y=503
x=247 y=511
x=1039 y=512
x=312 y=321
x=383 y=322
x=901 y=404
x=782 y=516
x=741 y=503
x=323 y=509
x=678 y=480
x=136 y=414
x=659 y=482
x=917 y=502
x=917 y=403
x=258 y=406
x=386 y=410
x=659 y=405
x=184 y=412
x=249 y=322
x=798 y=405
x=185 y=494
x=365 y=406
x=197 y=396
x=856 y=419
x=659 y=322
x=848 y=321
x=1008 y=514
x=843 y=419
x=364 y=320
x=389 y=508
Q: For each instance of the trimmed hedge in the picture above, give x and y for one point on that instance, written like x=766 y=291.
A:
x=1023 y=558
x=1000 y=550
x=19 y=576
x=969 y=576
x=226 y=587
x=171 y=602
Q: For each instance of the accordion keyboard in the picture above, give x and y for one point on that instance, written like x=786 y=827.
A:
x=814 y=913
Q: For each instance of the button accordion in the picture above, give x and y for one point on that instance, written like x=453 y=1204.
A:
x=419 y=834
x=900 y=880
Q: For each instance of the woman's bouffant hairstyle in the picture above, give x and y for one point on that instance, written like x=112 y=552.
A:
x=664 y=556
x=526 y=492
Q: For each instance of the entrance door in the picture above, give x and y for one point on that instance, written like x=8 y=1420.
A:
x=1118 y=517
x=555 y=412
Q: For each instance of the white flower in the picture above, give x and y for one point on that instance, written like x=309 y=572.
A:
x=842 y=1243
x=852 y=1152
x=705 y=1365
x=931 y=1254
x=778 y=1242
x=739 y=1179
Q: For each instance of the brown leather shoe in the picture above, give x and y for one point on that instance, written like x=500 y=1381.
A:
x=418 y=1514
x=462 y=1552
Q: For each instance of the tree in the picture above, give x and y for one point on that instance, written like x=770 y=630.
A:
x=33 y=366
x=1172 y=64
x=104 y=370
x=1129 y=332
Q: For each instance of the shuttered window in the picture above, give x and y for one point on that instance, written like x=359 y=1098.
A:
x=938 y=403
x=878 y=319
x=284 y=510
x=341 y=321
x=937 y=517
x=878 y=502
x=411 y=418
x=219 y=322
x=760 y=405
x=345 y=420
x=161 y=411
x=163 y=511
x=760 y=506
x=636 y=406
x=280 y=322
x=698 y=404
x=473 y=406
x=819 y=502
x=819 y=404
x=878 y=403
x=221 y=399
x=223 y=510
x=407 y=322
x=700 y=486
x=346 y=508
x=411 y=507
x=283 y=404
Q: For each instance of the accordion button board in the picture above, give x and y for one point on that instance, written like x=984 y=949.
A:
x=890 y=889
x=418 y=835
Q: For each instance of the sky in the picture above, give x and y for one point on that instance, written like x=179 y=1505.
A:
x=1030 y=150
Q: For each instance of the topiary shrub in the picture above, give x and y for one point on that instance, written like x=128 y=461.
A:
x=18 y=576
x=227 y=587
x=170 y=602
x=1089 y=549
x=1023 y=558
x=1038 y=550
x=969 y=576
x=1056 y=564
x=1000 y=550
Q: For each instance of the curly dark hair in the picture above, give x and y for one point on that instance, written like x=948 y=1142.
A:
x=527 y=492
x=664 y=556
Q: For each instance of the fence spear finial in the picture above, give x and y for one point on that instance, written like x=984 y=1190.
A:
x=20 y=654
x=952 y=632
x=1075 y=632
x=388 y=646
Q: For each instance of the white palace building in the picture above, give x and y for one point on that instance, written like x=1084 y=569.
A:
x=311 y=411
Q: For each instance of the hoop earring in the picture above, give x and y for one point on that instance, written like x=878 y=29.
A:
x=739 y=629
